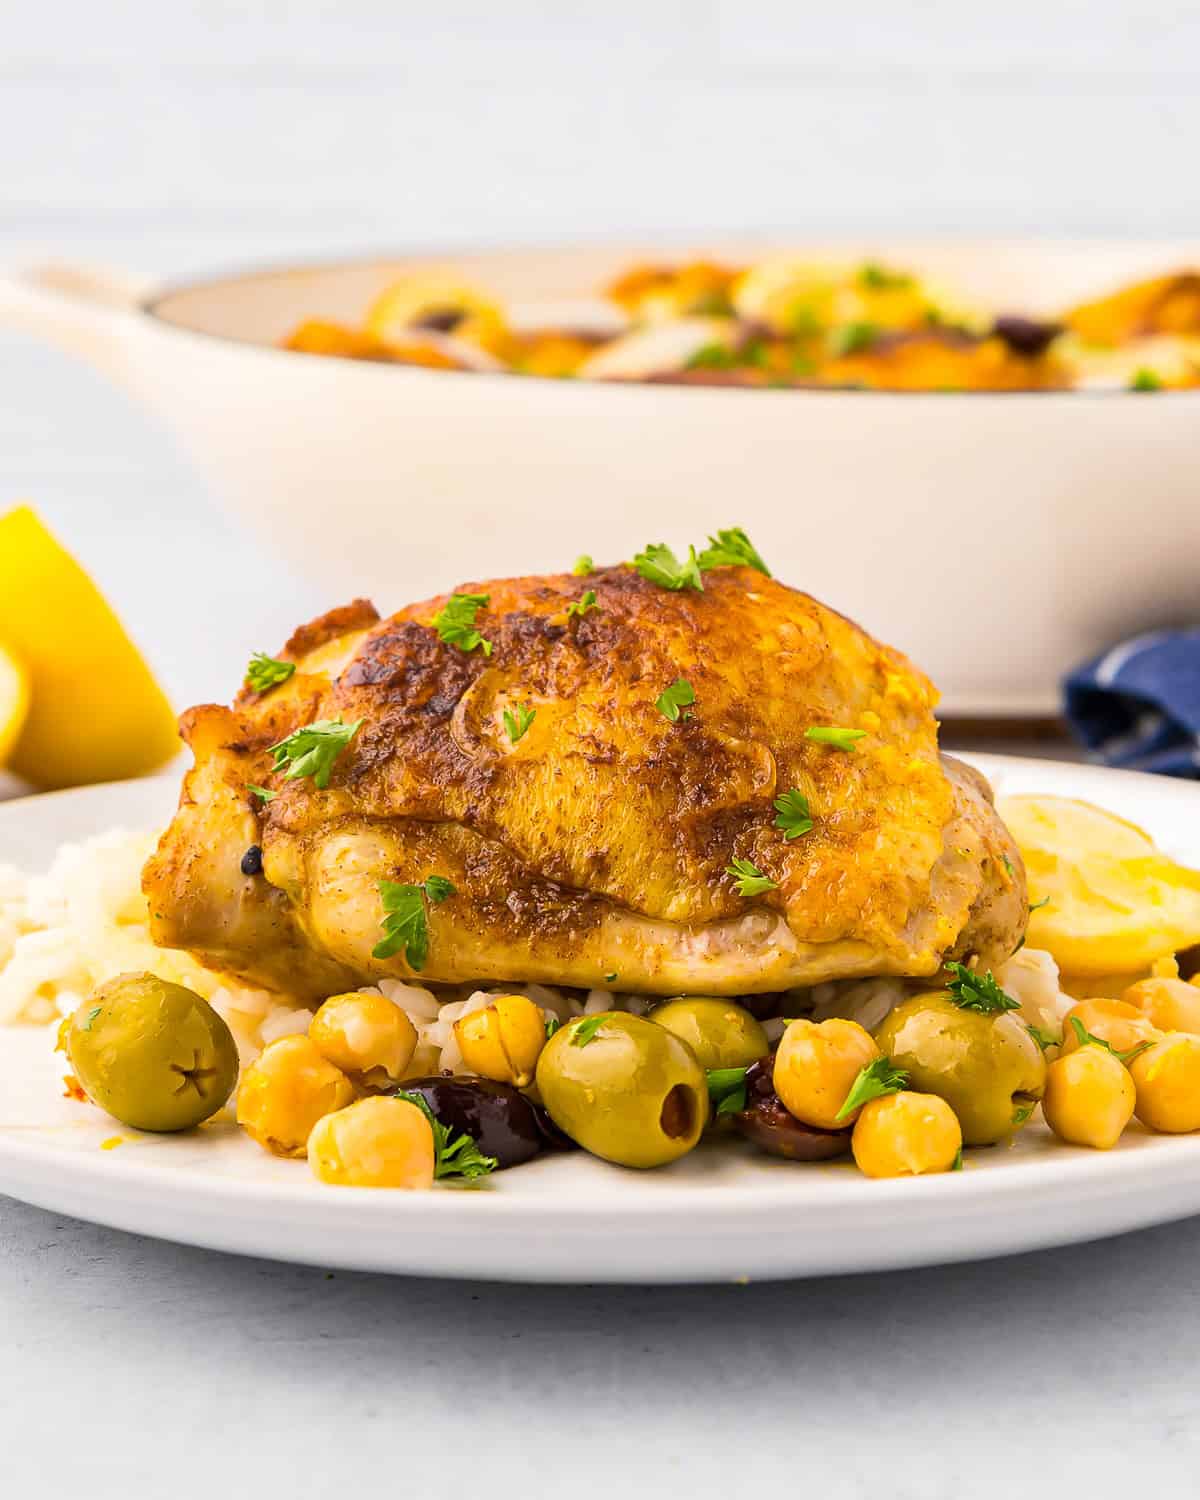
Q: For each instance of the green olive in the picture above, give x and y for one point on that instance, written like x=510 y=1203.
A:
x=154 y=1055
x=625 y=1089
x=719 y=1032
x=987 y=1068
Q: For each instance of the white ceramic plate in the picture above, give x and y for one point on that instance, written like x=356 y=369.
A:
x=722 y=1214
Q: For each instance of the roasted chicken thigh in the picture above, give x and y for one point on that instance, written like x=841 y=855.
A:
x=608 y=839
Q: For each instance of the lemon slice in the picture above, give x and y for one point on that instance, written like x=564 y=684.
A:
x=95 y=712
x=14 y=701
x=1113 y=903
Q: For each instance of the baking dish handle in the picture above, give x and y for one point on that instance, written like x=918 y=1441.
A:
x=86 y=310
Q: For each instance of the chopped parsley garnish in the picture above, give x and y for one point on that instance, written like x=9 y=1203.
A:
x=873 y=1082
x=712 y=357
x=1044 y=1039
x=1037 y=905
x=584 y=1031
x=552 y=1025
x=852 y=338
x=794 y=816
x=879 y=279
x=732 y=549
x=726 y=1090
x=86 y=1023
x=267 y=672
x=404 y=921
x=264 y=792
x=658 y=564
x=453 y=1155
x=583 y=565
x=517 y=720
x=843 y=739
x=1146 y=380
x=311 y=751
x=455 y=622
x=748 y=880
x=671 y=701
x=1008 y=865
x=1022 y=1112
x=611 y=978
x=581 y=606
x=956 y=1164
x=978 y=992
x=1086 y=1039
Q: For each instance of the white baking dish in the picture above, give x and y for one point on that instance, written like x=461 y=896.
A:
x=996 y=538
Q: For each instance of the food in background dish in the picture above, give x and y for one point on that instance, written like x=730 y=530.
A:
x=90 y=709
x=619 y=859
x=786 y=321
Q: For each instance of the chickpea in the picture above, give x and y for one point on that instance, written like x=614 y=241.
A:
x=377 y=1143
x=504 y=1041
x=286 y=1091
x=1089 y=1098
x=815 y=1068
x=1169 y=1004
x=366 y=1036
x=1167 y=1080
x=1122 y=1026
x=906 y=1135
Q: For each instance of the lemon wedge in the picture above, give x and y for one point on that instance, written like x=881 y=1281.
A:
x=94 y=711
x=14 y=701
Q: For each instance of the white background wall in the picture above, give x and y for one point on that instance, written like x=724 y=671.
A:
x=194 y=134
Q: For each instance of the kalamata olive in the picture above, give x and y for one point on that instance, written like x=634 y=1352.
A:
x=767 y=1123
x=502 y=1122
x=1026 y=336
x=1189 y=962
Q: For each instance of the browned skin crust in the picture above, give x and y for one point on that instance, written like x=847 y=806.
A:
x=600 y=841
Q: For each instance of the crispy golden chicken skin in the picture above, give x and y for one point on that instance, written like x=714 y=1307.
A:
x=599 y=843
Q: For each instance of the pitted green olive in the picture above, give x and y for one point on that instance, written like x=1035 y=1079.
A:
x=625 y=1089
x=719 y=1032
x=987 y=1068
x=153 y=1054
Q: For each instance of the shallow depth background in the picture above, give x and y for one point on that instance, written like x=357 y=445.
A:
x=202 y=133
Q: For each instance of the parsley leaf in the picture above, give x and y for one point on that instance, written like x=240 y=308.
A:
x=311 y=751
x=552 y=1025
x=1044 y=1039
x=873 y=1082
x=1008 y=865
x=611 y=978
x=852 y=338
x=678 y=696
x=749 y=881
x=581 y=606
x=956 y=1164
x=732 y=549
x=264 y=792
x=879 y=279
x=86 y=1023
x=584 y=1031
x=267 y=672
x=1023 y=1111
x=453 y=1155
x=794 y=817
x=518 y=719
x=1037 y=905
x=404 y=922
x=1086 y=1039
x=1146 y=380
x=658 y=564
x=583 y=566
x=726 y=1090
x=712 y=357
x=978 y=992
x=455 y=622
x=843 y=739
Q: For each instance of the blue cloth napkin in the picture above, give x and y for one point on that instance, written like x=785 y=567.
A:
x=1138 y=705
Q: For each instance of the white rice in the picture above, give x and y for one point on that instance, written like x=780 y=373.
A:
x=86 y=920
